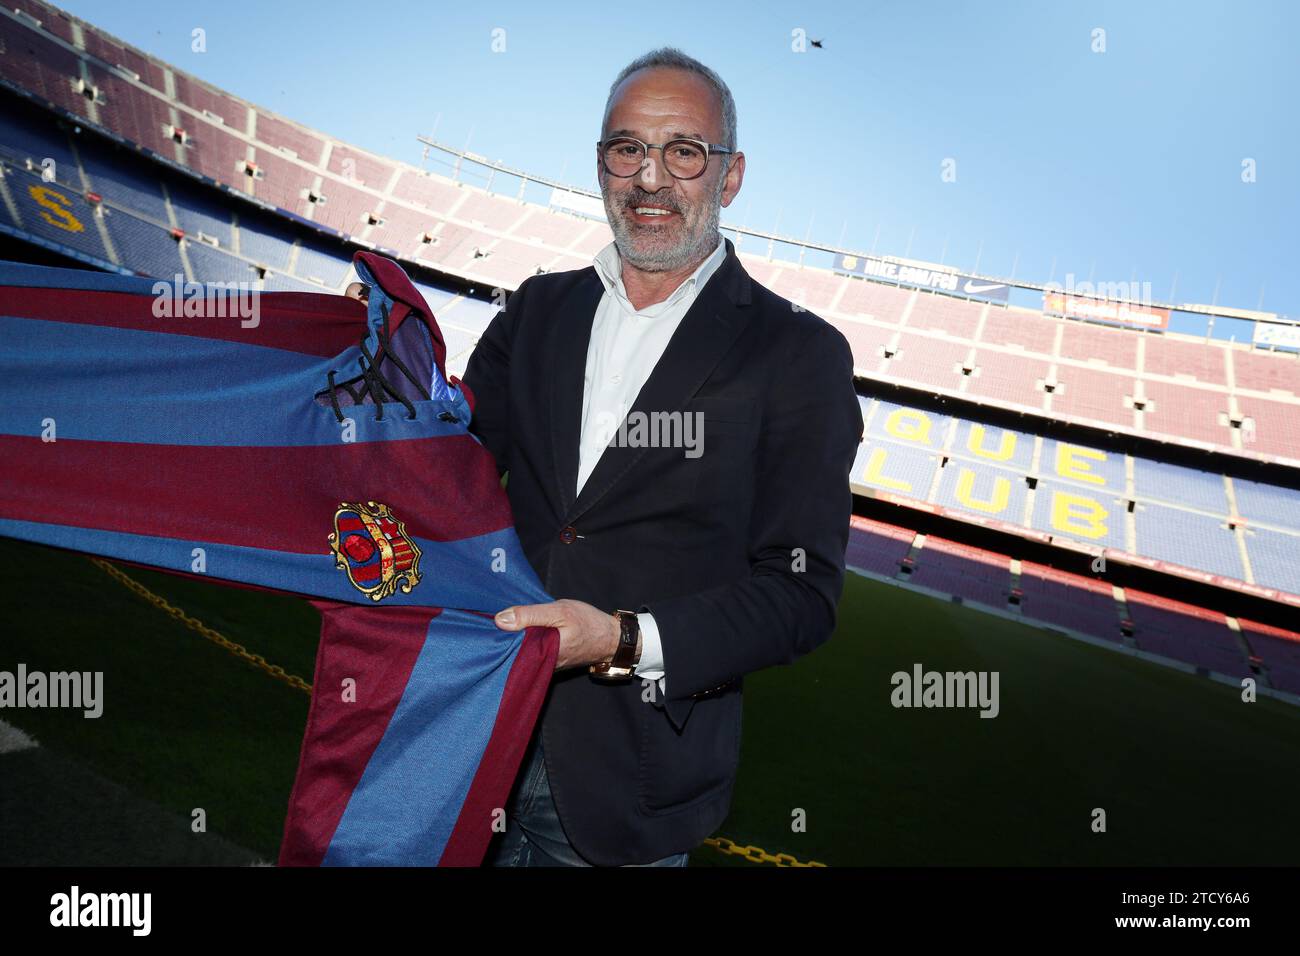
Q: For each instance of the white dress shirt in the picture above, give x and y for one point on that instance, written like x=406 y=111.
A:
x=626 y=345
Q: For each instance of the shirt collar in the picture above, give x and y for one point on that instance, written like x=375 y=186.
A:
x=609 y=268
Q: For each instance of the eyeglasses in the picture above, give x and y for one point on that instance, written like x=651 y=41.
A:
x=624 y=156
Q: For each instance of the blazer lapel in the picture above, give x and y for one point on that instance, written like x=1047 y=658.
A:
x=567 y=349
x=700 y=340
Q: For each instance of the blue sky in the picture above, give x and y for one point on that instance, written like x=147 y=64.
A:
x=1116 y=165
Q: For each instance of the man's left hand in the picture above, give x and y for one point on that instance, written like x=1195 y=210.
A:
x=588 y=635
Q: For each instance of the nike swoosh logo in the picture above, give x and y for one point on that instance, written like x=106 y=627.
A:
x=976 y=287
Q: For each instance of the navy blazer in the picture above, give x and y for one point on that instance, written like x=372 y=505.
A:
x=738 y=551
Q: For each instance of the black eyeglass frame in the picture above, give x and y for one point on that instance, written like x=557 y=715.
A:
x=709 y=150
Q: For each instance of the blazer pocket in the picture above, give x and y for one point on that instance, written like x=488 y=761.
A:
x=680 y=770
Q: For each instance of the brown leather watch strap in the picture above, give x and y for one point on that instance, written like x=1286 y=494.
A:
x=626 y=657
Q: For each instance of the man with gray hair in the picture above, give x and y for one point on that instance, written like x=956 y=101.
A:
x=682 y=570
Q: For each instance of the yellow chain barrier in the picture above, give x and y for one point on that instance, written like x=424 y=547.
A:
x=194 y=624
x=755 y=854
x=751 y=853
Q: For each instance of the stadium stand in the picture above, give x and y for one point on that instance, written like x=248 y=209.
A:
x=1038 y=485
x=877 y=547
x=1190 y=540
x=1159 y=482
x=1273 y=558
x=213 y=265
x=1173 y=358
x=1145 y=383
x=1138 y=622
x=266 y=248
x=1093 y=396
x=1008 y=378
x=321 y=265
x=1278 y=650
x=199 y=215
x=957 y=569
x=118 y=159
x=121 y=181
x=26 y=142
x=989 y=491
x=1267 y=504
x=940 y=313
x=1184 y=632
x=1261 y=372
x=1091 y=344
x=1068 y=601
x=154 y=251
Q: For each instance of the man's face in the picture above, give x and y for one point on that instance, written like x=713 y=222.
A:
x=655 y=105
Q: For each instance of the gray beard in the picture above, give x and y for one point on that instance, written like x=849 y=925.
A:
x=692 y=247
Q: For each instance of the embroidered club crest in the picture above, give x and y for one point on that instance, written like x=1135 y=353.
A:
x=373 y=548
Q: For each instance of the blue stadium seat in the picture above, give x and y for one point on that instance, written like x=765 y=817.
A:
x=215 y=265
x=438 y=298
x=57 y=214
x=279 y=282
x=965 y=572
x=993 y=441
x=264 y=243
x=1274 y=558
x=927 y=429
x=1078 y=512
x=1188 y=539
x=459 y=342
x=987 y=486
x=29 y=135
x=1173 y=484
x=1077 y=465
x=1270 y=504
x=876 y=550
x=912 y=466
x=321 y=263
x=1051 y=599
x=1185 y=633
x=124 y=180
x=143 y=246
x=197 y=210
x=469 y=314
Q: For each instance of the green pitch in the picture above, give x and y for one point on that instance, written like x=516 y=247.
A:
x=830 y=771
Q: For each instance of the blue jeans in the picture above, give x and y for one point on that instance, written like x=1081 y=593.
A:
x=534 y=836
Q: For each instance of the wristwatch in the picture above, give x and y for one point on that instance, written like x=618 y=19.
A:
x=626 y=657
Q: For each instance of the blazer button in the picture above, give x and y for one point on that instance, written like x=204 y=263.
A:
x=569 y=534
